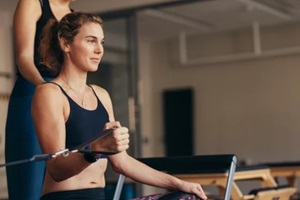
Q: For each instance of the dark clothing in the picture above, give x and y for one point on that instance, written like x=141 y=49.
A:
x=46 y=15
x=25 y=181
x=83 y=194
x=41 y=23
x=83 y=124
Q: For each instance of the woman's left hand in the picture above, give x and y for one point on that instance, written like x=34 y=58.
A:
x=193 y=188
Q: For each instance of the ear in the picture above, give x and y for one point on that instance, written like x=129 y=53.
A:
x=64 y=45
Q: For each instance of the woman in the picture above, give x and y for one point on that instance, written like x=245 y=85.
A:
x=25 y=181
x=67 y=112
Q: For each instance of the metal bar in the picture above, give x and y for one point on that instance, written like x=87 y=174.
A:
x=182 y=48
x=117 y=13
x=266 y=8
x=243 y=56
x=177 y=19
x=256 y=38
x=119 y=187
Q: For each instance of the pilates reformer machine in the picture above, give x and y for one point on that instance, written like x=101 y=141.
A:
x=268 y=189
x=219 y=171
x=287 y=170
x=215 y=170
x=190 y=164
x=211 y=165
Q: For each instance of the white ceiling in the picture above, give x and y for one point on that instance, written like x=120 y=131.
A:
x=91 y=5
x=109 y=5
x=193 y=16
x=215 y=15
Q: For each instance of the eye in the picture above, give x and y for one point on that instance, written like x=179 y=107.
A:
x=102 y=42
x=91 y=40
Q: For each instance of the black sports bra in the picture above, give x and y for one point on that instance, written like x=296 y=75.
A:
x=83 y=124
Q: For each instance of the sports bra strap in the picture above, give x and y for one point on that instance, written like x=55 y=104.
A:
x=94 y=92
x=42 y=4
x=58 y=86
x=67 y=94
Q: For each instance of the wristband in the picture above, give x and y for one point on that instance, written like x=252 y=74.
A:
x=90 y=156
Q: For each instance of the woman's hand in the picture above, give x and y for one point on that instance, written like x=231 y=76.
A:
x=116 y=141
x=193 y=188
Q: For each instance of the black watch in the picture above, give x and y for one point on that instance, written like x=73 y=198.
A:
x=91 y=157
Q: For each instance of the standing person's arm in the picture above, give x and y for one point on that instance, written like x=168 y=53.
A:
x=26 y=15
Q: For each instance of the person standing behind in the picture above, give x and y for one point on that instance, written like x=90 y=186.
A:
x=25 y=181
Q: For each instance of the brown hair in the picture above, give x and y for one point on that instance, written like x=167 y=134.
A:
x=67 y=28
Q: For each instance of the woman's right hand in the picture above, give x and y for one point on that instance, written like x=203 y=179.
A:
x=116 y=141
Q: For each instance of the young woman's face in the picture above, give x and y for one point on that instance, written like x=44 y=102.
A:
x=86 y=50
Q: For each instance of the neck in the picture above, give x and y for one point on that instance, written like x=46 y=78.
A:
x=74 y=82
x=80 y=93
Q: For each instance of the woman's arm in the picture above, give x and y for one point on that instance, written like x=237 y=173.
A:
x=26 y=15
x=118 y=140
x=49 y=111
x=124 y=164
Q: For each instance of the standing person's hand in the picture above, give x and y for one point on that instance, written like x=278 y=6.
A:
x=116 y=141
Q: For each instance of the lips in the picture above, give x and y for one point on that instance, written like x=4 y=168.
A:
x=95 y=60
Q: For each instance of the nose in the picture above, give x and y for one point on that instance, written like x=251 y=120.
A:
x=98 y=48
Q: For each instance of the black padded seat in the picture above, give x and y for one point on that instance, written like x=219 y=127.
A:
x=207 y=164
x=283 y=164
x=251 y=167
x=255 y=191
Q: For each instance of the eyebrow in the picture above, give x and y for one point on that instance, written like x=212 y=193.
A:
x=92 y=36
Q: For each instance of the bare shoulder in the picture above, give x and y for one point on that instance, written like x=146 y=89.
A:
x=101 y=92
x=47 y=92
x=33 y=4
x=30 y=2
x=28 y=8
x=47 y=88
